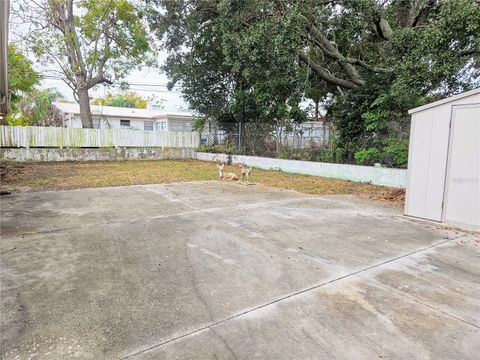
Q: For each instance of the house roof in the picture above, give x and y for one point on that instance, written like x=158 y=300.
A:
x=445 y=101
x=175 y=115
x=112 y=111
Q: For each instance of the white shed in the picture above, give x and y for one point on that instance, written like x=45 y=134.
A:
x=443 y=181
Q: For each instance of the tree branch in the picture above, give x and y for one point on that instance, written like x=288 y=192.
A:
x=332 y=52
x=326 y=76
x=367 y=66
x=98 y=80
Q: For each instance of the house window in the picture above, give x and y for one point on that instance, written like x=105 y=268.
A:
x=148 y=125
x=178 y=127
x=188 y=127
x=162 y=126
x=125 y=124
x=96 y=123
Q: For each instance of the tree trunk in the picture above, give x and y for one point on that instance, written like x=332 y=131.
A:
x=85 y=113
x=317 y=110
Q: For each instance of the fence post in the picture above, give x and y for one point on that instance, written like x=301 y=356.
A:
x=25 y=137
x=240 y=136
x=324 y=128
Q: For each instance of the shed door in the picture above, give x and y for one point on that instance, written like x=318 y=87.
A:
x=462 y=190
x=427 y=163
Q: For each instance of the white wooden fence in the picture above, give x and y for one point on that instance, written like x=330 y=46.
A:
x=58 y=137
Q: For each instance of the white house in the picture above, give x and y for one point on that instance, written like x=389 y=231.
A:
x=110 y=117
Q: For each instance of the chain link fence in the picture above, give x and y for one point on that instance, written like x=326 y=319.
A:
x=387 y=145
x=312 y=141
x=266 y=139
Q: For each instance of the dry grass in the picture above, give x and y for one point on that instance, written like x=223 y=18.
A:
x=56 y=176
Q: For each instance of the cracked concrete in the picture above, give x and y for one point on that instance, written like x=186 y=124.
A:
x=208 y=270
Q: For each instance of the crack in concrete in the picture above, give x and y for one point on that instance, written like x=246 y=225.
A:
x=230 y=350
x=283 y=298
x=195 y=284
x=399 y=293
x=167 y=216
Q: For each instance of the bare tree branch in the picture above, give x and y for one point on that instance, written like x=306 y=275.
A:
x=325 y=75
x=332 y=52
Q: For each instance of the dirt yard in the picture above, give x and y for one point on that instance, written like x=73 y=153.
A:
x=61 y=176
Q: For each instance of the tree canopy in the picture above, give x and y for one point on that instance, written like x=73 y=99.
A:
x=263 y=48
x=90 y=42
x=128 y=99
x=35 y=108
x=367 y=60
x=22 y=77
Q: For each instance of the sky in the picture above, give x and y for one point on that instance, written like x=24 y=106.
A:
x=148 y=83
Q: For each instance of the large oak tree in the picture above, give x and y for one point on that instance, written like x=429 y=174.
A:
x=87 y=42
x=242 y=55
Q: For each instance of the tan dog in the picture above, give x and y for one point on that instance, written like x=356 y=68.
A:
x=230 y=177
x=220 y=170
x=227 y=176
x=245 y=172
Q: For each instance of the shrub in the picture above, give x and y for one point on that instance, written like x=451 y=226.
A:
x=219 y=148
x=396 y=153
x=368 y=156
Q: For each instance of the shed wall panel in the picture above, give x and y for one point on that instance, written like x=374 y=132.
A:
x=427 y=163
x=462 y=193
x=437 y=161
x=418 y=164
x=426 y=168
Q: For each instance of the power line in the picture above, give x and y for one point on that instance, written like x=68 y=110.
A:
x=145 y=84
x=158 y=91
x=51 y=77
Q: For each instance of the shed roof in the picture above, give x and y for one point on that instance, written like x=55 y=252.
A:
x=445 y=101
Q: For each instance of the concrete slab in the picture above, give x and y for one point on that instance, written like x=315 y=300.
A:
x=206 y=269
x=54 y=210
x=349 y=319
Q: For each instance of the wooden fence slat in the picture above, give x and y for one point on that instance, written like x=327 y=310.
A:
x=56 y=137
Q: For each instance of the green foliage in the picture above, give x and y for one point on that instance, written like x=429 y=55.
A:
x=15 y=119
x=110 y=38
x=89 y=42
x=368 y=156
x=441 y=53
x=396 y=154
x=199 y=124
x=128 y=99
x=22 y=78
x=122 y=26
x=393 y=154
x=371 y=120
x=233 y=73
x=34 y=108
x=367 y=61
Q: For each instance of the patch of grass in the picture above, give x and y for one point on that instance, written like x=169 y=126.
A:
x=41 y=181
x=68 y=175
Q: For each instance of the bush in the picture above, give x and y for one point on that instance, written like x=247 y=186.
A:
x=219 y=148
x=368 y=156
x=396 y=154
x=392 y=153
